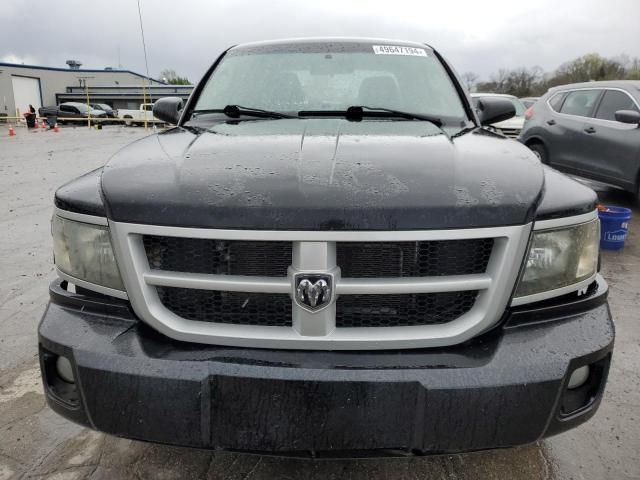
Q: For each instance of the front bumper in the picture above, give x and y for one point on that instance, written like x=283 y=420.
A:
x=505 y=388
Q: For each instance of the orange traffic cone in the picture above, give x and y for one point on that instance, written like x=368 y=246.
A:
x=44 y=125
x=11 y=132
x=55 y=128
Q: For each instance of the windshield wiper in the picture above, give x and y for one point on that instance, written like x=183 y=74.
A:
x=464 y=131
x=359 y=112
x=236 y=111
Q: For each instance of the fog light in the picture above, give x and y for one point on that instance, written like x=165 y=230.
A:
x=63 y=367
x=578 y=377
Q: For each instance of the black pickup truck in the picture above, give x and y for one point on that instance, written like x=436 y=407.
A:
x=328 y=255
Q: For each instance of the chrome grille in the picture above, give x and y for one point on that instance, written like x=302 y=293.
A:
x=356 y=260
x=393 y=289
x=510 y=132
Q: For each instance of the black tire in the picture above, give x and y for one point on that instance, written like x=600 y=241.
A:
x=540 y=151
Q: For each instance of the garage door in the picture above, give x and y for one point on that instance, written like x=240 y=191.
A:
x=26 y=90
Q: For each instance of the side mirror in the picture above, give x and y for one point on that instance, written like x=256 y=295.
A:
x=168 y=109
x=628 y=116
x=494 y=110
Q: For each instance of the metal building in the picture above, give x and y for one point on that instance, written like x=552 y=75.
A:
x=123 y=96
x=21 y=85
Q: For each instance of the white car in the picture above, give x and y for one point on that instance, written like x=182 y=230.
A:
x=509 y=128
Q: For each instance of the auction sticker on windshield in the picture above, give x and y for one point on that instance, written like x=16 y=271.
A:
x=399 y=50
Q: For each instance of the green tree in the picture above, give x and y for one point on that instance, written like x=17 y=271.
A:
x=172 y=78
x=590 y=67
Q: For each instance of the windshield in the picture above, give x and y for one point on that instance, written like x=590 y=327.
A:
x=327 y=77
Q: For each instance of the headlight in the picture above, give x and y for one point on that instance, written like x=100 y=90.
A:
x=84 y=251
x=560 y=258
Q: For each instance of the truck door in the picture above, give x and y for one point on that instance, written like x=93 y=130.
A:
x=570 y=153
x=614 y=147
x=66 y=112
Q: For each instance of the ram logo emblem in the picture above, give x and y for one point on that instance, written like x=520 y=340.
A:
x=313 y=291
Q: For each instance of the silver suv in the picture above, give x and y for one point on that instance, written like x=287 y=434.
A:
x=589 y=129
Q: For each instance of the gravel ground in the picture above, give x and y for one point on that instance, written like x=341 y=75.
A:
x=34 y=442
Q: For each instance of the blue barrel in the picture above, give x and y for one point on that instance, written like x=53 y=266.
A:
x=614 y=226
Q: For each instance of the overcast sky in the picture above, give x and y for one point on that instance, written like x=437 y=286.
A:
x=187 y=35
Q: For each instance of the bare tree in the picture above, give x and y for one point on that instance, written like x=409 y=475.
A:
x=521 y=82
x=633 y=69
x=470 y=79
x=525 y=82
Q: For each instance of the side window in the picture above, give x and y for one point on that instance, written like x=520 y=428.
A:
x=556 y=101
x=580 y=102
x=66 y=108
x=613 y=101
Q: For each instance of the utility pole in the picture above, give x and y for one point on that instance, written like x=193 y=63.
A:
x=146 y=63
x=83 y=82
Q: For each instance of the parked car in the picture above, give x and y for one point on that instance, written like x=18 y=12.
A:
x=137 y=117
x=72 y=112
x=111 y=112
x=590 y=130
x=332 y=257
x=529 y=101
x=513 y=126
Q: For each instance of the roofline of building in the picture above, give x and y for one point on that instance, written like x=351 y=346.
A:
x=166 y=86
x=80 y=70
x=121 y=96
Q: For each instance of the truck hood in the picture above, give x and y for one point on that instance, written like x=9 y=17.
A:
x=322 y=174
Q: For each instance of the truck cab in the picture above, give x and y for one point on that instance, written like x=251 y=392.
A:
x=135 y=117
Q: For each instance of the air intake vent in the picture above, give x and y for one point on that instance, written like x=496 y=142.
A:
x=414 y=259
x=263 y=309
x=405 y=310
x=220 y=257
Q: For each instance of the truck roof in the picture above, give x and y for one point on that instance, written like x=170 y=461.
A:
x=331 y=40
